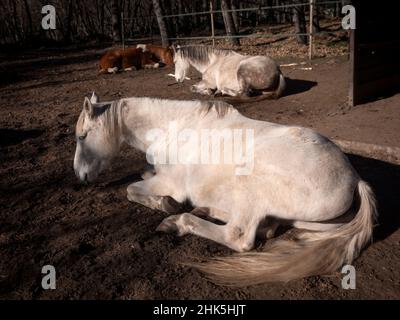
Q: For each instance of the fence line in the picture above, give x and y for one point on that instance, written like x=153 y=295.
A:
x=261 y=35
x=240 y=10
x=311 y=3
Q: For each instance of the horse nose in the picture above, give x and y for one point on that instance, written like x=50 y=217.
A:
x=83 y=177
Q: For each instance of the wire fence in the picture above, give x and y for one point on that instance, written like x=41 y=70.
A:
x=312 y=4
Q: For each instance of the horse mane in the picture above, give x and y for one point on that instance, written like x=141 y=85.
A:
x=201 y=53
x=111 y=116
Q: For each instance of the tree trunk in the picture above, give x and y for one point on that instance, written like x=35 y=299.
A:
x=69 y=33
x=28 y=14
x=102 y=19
x=166 y=8
x=299 y=20
x=270 y=13
x=234 y=6
x=161 y=23
x=115 y=21
x=316 y=26
x=228 y=21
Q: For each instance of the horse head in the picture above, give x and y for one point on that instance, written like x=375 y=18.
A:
x=182 y=64
x=96 y=138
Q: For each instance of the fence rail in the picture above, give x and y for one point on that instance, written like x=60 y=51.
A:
x=311 y=3
x=239 y=10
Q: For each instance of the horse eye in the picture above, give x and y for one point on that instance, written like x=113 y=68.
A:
x=82 y=137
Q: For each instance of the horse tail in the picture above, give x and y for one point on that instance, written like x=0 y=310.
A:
x=312 y=253
x=281 y=86
x=265 y=94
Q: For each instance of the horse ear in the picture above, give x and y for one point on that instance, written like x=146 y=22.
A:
x=175 y=48
x=94 y=98
x=88 y=107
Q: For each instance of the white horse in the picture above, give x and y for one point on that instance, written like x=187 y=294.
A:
x=298 y=177
x=227 y=72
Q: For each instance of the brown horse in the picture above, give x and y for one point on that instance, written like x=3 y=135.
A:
x=165 y=55
x=126 y=60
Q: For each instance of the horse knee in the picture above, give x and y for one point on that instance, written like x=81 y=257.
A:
x=243 y=246
x=239 y=240
x=202 y=90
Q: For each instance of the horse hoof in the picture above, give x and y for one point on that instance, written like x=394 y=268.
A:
x=168 y=225
x=270 y=234
x=112 y=70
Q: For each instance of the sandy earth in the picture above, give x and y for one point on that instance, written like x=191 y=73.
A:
x=103 y=246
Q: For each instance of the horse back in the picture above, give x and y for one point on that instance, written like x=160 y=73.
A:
x=136 y=57
x=132 y=58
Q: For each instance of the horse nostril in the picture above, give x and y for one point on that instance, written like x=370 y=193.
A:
x=85 y=178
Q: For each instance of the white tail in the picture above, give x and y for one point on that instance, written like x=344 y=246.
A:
x=312 y=254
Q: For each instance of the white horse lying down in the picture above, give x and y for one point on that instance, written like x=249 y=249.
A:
x=228 y=72
x=298 y=177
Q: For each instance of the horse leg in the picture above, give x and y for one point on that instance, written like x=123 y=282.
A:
x=151 y=65
x=112 y=70
x=267 y=231
x=239 y=237
x=153 y=193
x=242 y=90
x=203 y=87
x=211 y=212
x=234 y=92
x=229 y=92
x=130 y=68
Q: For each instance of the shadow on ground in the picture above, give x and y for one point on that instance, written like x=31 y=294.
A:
x=295 y=86
x=385 y=180
x=10 y=137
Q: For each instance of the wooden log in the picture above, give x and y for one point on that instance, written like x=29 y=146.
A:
x=373 y=151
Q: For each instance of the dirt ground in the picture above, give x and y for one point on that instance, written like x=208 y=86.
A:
x=103 y=246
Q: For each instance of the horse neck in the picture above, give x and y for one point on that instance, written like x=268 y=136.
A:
x=142 y=115
x=112 y=118
x=213 y=56
x=201 y=66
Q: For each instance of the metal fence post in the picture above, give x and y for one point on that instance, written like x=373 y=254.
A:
x=212 y=23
